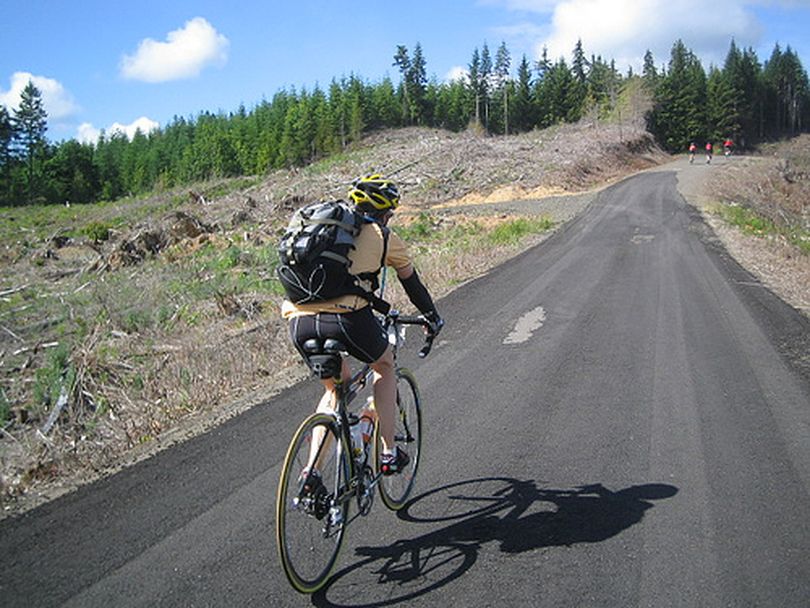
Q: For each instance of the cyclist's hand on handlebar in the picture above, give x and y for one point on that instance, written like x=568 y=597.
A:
x=435 y=323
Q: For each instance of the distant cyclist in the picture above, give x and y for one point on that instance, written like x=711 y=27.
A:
x=692 y=150
x=709 y=151
x=350 y=319
x=728 y=146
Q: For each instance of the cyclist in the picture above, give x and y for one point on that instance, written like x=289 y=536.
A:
x=727 y=146
x=709 y=150
x=692 y=150
x=350 y=319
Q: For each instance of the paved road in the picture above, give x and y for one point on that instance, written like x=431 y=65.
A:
x=618 y=417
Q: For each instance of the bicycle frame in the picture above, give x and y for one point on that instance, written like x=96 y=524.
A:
x=356 y=485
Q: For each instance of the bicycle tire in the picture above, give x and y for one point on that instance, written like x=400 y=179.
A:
x=395 y=489
x=309 y=532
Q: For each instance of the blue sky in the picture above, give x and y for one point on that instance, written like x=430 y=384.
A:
x=104 y=64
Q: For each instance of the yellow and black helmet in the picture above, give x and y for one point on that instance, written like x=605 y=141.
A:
x=375 y=193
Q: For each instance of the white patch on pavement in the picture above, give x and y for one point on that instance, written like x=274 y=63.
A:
x=526 y=326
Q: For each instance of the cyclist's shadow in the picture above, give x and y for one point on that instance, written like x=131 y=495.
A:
x=515 y=514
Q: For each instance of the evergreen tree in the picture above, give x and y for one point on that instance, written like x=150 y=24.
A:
x=522 y=105
x=485 y=82
x=788 y=95
x=679 y=116
x=721 y=102
x=561 y=93
x=71 y=174
x=579 y=65
x=502 y=83
x=736 y=110
x=6 y=157
x=109 y=162
x=542 y=105
x=30 y=125
x=417 y=81
x=384 y=105
x=403 y=61
x=474 y=74
x=648 y=72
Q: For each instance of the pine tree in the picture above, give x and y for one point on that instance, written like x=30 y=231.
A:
x=560 y=92
x=522 y=101
x=71 y=174
x=474 y=74
x=30 y=125
x=788 y=93
x=680 y=116
x=6 y=157
x=579 y=65
x=484 y=82
x=403 y=61
x=502 y=82
x=648 y=72
x=385 y=110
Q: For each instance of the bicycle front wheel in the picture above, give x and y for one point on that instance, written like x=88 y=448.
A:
x=395 y=489
x=312 y=505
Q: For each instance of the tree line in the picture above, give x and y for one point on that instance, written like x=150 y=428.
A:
x=744 y=99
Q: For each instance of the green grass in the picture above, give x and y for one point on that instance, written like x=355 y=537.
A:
x=753 y=223
x=51 y=378
x=5 y=408
x=426 y=232
x=513 y=231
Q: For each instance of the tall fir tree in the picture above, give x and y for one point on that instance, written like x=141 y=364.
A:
x=522 y=104
x=6 y=156
x=648 y=72
x=402 y=60
x=485 y=82
x=474 y=78
x=680 y=113
x=502 y=81
x=30 y=126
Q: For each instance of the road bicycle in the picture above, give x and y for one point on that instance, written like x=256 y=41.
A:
x=312 y=514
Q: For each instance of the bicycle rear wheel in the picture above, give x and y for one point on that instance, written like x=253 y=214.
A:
x=310 y=522
x=395 y=489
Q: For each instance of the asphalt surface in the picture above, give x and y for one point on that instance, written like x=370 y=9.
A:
x=618 y=417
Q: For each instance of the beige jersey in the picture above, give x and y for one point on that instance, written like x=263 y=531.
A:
x=365 y=257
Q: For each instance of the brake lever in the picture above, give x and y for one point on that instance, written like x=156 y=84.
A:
x=429 y=339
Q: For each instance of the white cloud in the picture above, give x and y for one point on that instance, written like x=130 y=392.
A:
x=185 y=54
x=87 y=133
x=456 y=73
x=56 y=100
x=624 y=29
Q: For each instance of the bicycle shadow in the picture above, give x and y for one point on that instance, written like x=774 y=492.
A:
x=515 y=514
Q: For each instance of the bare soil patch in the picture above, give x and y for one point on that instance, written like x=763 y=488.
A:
x=171 y=325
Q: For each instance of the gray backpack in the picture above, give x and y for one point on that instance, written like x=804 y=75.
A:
x=313 y=254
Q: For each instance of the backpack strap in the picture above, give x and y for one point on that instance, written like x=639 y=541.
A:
x=351 y=228
x=377 y=303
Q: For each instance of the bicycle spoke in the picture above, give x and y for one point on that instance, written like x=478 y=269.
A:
x=395 y=489
x=310 y=514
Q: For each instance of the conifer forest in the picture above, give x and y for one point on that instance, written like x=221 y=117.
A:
x=746 y=99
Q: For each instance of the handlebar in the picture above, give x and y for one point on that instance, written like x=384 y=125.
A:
x=431 y=331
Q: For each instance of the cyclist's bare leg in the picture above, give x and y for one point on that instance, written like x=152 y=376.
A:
x=327 y=404
x=385 y=395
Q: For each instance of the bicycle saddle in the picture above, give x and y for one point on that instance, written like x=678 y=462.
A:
x=317 y=346
x=323 y=356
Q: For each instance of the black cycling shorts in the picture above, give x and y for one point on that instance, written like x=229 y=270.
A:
x=360 y=331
